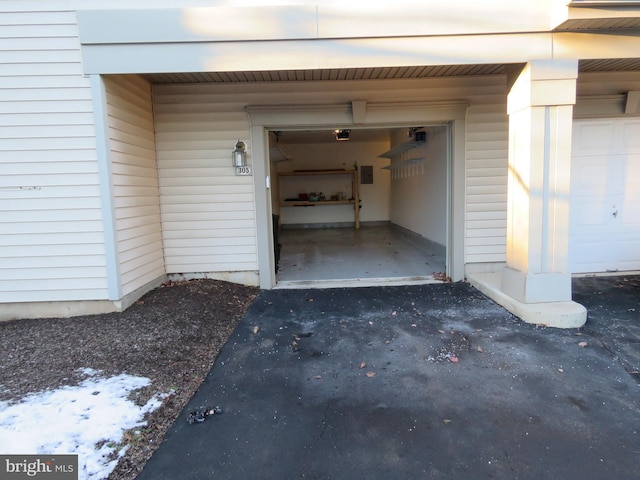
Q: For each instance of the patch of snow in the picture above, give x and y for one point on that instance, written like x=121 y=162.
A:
x=76 y=420
x=89 y=372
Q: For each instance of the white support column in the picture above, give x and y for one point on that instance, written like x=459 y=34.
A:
x=540 y=107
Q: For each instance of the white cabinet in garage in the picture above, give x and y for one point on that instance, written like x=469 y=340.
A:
x=605 y=196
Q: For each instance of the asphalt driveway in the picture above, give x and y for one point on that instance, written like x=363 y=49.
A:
x=417 y=382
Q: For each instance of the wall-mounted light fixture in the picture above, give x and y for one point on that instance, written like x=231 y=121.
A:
x=342 y=135
x=240 y=155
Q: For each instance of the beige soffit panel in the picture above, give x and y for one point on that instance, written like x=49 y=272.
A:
x=383 y=73
x=610 y=65
x=590 y=15
x=374 y=73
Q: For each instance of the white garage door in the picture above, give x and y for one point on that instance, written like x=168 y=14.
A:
x=604 y=230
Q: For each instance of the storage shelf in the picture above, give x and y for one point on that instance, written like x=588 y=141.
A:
x=400 y=149
x=303 y=203
x=355 y=200
x=403 y=163
x=316 y=172
x=277 y=154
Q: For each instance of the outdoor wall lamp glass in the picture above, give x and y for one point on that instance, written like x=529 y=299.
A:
x=240 y=155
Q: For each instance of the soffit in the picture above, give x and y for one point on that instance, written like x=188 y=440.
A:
x=379 y=73
x=598 y=16
x=376 y=73
x=599 y=25
x=610 y=65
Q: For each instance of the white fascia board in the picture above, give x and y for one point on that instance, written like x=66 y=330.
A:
x=431 y=17
x=355 y=19
x=585 y=46
x=314 y=54
x=213 y=24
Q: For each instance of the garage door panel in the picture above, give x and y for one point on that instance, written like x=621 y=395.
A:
x=589 y=254
x=626 y=254
x=629 y=214
x=593 y=138
x=587 y=177
x=630 y=143
x=591 y=216
x=631 y=174
x=605 y=196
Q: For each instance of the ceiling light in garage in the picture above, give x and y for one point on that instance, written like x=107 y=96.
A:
x=342 y=135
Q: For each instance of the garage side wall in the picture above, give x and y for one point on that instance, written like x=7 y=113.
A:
x=208 y=213
x=52 y=242
x=419 y=191
x=136 y=196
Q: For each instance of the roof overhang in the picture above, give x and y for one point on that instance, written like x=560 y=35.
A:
x=245 y=44
x=597 y=16
x=377 y=73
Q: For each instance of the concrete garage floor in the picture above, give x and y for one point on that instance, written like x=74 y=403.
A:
x=372 y=254
x=421 y=382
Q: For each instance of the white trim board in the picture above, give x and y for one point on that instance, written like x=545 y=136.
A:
x=106 y=187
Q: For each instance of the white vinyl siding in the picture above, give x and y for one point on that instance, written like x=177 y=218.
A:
x=486 y=179
x=135 y=181
x=52 y=242
x=607 y=83
x=208 y=213
x=203 y=202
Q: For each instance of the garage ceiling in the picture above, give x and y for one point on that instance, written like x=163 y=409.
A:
x=327 y=136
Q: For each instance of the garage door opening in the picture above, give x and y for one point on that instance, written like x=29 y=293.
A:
x=369 y=209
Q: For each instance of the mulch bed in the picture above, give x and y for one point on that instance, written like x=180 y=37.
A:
x=172 y=336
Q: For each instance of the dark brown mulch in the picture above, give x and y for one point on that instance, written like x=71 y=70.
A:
x=171 y=336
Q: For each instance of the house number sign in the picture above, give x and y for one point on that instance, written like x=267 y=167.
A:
x=246 y=170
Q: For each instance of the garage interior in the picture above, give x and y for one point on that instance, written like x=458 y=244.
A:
x=397 y=177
